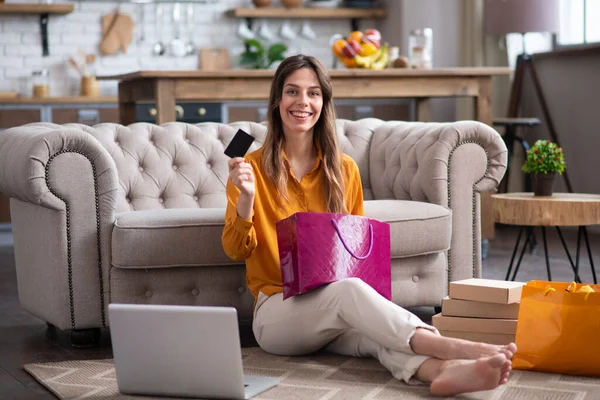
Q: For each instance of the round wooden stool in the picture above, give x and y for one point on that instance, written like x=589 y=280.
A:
x=560 y=209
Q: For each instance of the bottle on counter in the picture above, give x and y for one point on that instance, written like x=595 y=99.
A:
x=40 y=83
x=420 y=47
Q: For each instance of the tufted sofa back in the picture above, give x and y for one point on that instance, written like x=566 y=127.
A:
x=179 y=165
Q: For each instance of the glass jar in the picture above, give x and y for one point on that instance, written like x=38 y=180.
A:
x=420 y=48
x=393 y=53
x=40 y=83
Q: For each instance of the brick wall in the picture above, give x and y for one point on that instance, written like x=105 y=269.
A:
x=21 y=53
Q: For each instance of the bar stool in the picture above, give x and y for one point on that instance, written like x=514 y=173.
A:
x=510 y=135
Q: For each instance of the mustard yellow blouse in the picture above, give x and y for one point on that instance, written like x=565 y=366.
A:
x=255 y=240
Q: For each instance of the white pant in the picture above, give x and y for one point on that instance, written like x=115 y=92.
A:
x=346 y=317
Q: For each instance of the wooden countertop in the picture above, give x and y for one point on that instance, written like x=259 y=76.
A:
x=58 y=100
x=336 y=73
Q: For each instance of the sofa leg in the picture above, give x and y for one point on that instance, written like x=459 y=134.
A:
x=50 y=331
x=85 y=337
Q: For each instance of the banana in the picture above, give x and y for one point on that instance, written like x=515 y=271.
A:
x=383 y=60
x=366 y=62
x=377 y=60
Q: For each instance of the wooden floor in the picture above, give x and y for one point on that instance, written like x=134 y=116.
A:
x=25 y=339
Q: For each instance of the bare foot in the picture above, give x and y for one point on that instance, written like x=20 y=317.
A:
x=465 y=376
x=427 y=343
x=468 y=350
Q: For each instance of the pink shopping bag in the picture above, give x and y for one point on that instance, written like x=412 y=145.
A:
x=319 y=248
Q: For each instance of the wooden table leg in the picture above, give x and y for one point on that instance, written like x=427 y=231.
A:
x=165 y=101
x=423 y=105
x=483 y=101
x=126 y=103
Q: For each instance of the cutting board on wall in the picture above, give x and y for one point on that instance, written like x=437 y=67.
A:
x=214 y=59
x=117 y=33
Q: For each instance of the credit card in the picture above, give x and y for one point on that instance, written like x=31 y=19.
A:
x=239 y=145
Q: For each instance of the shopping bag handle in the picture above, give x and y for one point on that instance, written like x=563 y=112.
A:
x=335 y=225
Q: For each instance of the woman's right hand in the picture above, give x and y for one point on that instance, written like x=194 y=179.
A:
x=242 y=176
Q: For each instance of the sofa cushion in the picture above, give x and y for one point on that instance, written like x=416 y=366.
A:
x=415 y=227
x=192 y=236
x=172 y=237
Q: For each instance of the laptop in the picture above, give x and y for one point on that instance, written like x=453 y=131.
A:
x=180 y=351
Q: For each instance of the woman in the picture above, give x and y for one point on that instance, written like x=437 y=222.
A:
x=301 y=167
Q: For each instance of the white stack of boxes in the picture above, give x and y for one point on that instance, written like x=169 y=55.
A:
x=482 y=310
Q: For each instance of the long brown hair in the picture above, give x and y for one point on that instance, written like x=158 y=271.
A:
x=324 y=134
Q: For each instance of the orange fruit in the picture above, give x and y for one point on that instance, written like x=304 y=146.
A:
x=367 y=49
x=355 y=36
x=338 y=47
x=349 y=62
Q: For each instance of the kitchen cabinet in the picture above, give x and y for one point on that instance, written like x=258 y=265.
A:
x=190 y=112
x=17 y=117
x=87 y=116
x=88 y=110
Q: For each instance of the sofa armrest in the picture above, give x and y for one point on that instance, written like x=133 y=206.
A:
x=448 y=164
x=62 y=183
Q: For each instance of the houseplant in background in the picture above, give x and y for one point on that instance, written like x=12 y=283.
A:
x=544 y=160
x=257 y=56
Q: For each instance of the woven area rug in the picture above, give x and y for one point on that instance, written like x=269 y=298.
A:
x=322 y=376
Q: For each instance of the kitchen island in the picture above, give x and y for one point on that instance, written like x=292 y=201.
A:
x=166 y=88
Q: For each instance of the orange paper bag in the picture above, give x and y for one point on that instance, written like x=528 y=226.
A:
x=558 y=329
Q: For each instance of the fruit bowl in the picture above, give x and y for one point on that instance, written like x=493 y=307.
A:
x=362 y=50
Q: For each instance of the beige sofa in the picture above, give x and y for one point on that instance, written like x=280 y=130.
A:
x=134 y=214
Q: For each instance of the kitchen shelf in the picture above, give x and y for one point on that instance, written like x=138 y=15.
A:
x=353 y=14
x=300 y=12
x=44 y=10
x=16 y=8
x=152 y=1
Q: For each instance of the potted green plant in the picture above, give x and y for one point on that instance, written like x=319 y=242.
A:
x=544 y=160
x=257 y=56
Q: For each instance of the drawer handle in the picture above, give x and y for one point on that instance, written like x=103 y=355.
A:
x=179 y=111
x=202 y=111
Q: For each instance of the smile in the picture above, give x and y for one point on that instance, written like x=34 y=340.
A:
x=300 y=114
